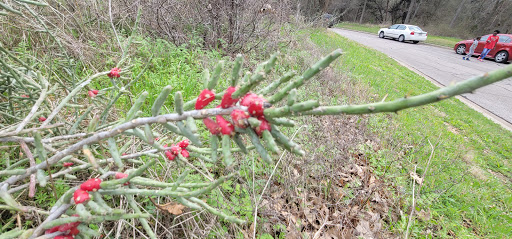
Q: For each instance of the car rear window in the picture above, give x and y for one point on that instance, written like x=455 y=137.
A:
x=415 y=28
x=505 y=39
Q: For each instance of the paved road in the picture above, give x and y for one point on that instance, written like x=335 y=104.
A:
x=445 y=67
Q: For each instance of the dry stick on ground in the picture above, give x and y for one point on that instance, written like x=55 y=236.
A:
x=32 y=186
x=413 y=206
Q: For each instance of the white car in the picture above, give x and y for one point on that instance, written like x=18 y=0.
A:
x=404 y=32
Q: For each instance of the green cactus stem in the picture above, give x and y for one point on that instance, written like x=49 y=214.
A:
x=216 y=212
x=286 y=142
x=180 y=180
x=167 y=191
x=214 y=79
x=308 y=74
x=255 y=123
x=148 y=133
x=304 y=106
x=94 y=219
x=226 y=150
x=36 y=3
x=14 y=233
x=237 y=70
x=281 y=122
x=153 y=183
x=115 y=153
x=178 y=103
x=269 y=142
x=191 y=124
x=259 y=147
x=277 y=112
x=240 y=143
x=143 y=221
x=160 y=100
x=12 y=172
x=136 y=106
x=173 y=128
x=292 y=97
x=274 y=85
x=214 y=145
x=188 y=133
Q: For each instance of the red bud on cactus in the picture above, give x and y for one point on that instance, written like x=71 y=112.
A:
x=256 y=107
x=227 y=100
x=170 y=155
x=185 y=153
x=121 y=175
x=184 y=143
x=67 y=164
x=114 y=73
x=80 y=196
x=42 y=119
x=92 y=93
x=64 y=237
x=175 y=149
x=124 y=154
x=68 y=226
x=205 y=97
x=92 y=184
x=263 y=126
x=226 y=127
x=211 y=125
x=24 y=96
x=239 y=118
x=156 y=139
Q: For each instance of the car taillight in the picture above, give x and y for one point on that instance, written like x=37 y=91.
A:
x=426 y=34
x=412 y=33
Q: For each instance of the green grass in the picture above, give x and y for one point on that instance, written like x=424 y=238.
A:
x=461 y=191
x=370 y=28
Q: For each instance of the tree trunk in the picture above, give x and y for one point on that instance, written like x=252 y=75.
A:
x=461 y=5
x=362 y=13
x=417 y=8
x=409 y=12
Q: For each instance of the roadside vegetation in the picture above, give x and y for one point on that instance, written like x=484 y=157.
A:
x=374 y=29
x=467 y=189
x=355 y=180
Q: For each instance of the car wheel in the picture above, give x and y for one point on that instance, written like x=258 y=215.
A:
x=401 y=38
x=501 y=57
x=415 y=42
x=381 y=34
x=461 y=49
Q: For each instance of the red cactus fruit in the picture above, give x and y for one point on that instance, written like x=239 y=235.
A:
x=121 y=175
x=175 y=149
x=205 y=97
x=52 y=230
x=184 y=143
x=156 y=139
x=226 y=127
x=81 y=196
x=74 y=231
x=248 y=98
x=255 y=107
x=42 y=119
x=212 y=125
x=263 y=126
x=68 y=236
x=185 y=153
x=227 y=100
x=170 y=155
x=239 y=118
x=92 y=184
x=124 y=154
x=114 y=73
x=93 y=93
x=67 y=164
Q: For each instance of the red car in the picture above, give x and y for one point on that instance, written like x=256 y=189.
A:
x=502 y=53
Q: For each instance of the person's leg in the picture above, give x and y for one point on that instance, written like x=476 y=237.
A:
x=484 y=53
x=470 y=53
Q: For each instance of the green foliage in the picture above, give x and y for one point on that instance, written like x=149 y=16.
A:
x=469 y=143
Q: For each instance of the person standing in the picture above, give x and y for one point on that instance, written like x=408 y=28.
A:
x=472 y=49
x=490 y=44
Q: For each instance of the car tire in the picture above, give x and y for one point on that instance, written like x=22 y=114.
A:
x=381 y=34
x=461 y=49
x=401 y=38
x=501 y=57
x=415 y=42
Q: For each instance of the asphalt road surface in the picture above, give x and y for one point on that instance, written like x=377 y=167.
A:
x=443 y=66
